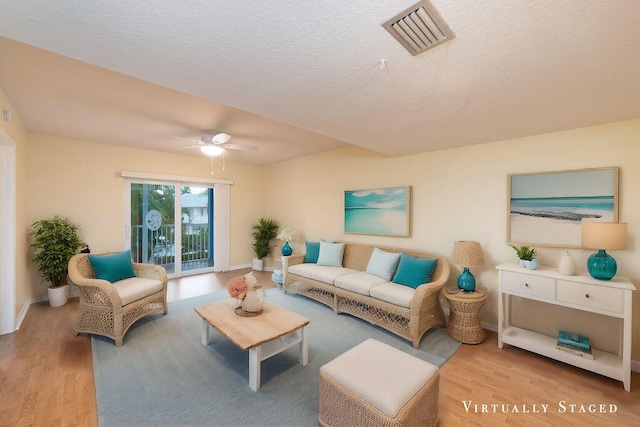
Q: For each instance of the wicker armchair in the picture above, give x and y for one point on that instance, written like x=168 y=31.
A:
x=102 y=311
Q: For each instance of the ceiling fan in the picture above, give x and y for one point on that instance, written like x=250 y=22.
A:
x=213 y=143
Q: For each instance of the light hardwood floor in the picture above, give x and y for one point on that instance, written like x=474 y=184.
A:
x=46 y=376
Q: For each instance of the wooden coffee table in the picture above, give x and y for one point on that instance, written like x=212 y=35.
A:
x=265 y=335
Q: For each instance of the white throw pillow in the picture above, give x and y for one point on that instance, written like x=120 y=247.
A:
x=331 y=254
x=383 y=264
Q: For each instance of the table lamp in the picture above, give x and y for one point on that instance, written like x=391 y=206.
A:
x=603 y=236
x=467 y=254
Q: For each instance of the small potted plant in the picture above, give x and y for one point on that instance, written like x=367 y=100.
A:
x=527 y=257
x=55 y=241
x=263 y=233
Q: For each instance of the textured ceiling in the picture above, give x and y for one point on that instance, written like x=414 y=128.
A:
x=294 y=77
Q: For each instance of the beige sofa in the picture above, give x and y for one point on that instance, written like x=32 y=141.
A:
x=405 y=311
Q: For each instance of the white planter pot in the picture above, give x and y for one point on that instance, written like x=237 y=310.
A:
x=257 y=264
x=58 y=296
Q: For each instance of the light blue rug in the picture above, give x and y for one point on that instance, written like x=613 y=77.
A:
x=164 y=376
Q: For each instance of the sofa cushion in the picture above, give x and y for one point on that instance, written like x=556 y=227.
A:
x=413 y=271
x=383 y=263
x=360 y=282
x=321 y=273
x=330 y=254
x=312 y=251
x=112 y=267
x=136 y=288
x=393 y=293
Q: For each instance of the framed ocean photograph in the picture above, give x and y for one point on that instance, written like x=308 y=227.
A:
x=546 y=209
x=379 y=211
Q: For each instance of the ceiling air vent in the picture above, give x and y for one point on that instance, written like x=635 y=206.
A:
x=419 y=28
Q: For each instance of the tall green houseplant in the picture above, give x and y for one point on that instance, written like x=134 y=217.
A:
x=55 y=241
x=263 y=233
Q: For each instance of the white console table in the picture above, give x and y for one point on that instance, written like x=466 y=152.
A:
x=609 y=298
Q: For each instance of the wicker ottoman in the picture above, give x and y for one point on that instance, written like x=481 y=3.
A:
x=374 y=384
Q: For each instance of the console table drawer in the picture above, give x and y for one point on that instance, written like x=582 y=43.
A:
x=542 y=287
x=607 y=299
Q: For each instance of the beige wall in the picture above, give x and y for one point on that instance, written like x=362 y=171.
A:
x=461 y=194
x=15 y=133
x=81 y=180
x=457 y=194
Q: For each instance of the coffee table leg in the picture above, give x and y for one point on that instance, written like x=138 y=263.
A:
x=204 y=337
x=303 y=352
x=255 y=357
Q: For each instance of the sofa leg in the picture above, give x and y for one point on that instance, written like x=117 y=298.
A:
x=119 y=342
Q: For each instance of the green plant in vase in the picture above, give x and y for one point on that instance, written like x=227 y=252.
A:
x=527 y=256
x=263 y=233
x=55 y=241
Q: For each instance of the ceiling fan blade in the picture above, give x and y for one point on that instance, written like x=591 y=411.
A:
x=238 y=147
x=190 y=146
x=186 y=139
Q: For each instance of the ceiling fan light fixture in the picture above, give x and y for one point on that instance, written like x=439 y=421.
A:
x=211 y=150
x=221 y=138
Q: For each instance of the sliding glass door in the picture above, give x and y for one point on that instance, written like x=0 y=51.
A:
x=171 y=224
x=197 y=228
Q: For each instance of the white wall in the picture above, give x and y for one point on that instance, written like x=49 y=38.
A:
x=15 y=134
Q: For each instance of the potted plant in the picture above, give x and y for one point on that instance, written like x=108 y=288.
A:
x=55 y=241
x=263 y=233
x=527 y=257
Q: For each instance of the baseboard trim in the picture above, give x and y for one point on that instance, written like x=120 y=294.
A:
x=23 y=313
x=241 y=266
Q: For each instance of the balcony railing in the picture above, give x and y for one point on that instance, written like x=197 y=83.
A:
x=158 y=247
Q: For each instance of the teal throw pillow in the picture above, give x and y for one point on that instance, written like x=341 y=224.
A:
x=383 y=264
x=312 y=252
x=331 y=254
x=113 y=267
x=413 y=271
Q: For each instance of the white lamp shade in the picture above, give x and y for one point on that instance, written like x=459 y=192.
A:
x=604 y=235
x=211 y=150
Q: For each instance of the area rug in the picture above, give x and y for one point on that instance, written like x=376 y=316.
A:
x=164 y=376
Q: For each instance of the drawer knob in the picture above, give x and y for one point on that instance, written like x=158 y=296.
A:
x=526 y=285
x=586 y=295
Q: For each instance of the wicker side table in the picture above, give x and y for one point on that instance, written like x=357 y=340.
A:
x=464 y=319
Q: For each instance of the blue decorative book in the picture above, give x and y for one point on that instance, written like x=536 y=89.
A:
x=574 y=340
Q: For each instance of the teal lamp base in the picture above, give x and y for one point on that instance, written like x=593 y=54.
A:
x=466 y=281
x=602 y=266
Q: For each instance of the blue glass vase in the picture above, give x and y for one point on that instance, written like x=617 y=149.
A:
x=466 y=281
x=286 y=249
x=602 y=266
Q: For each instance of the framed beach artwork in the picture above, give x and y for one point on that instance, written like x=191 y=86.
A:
x=546 y=209
x=379 y=211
